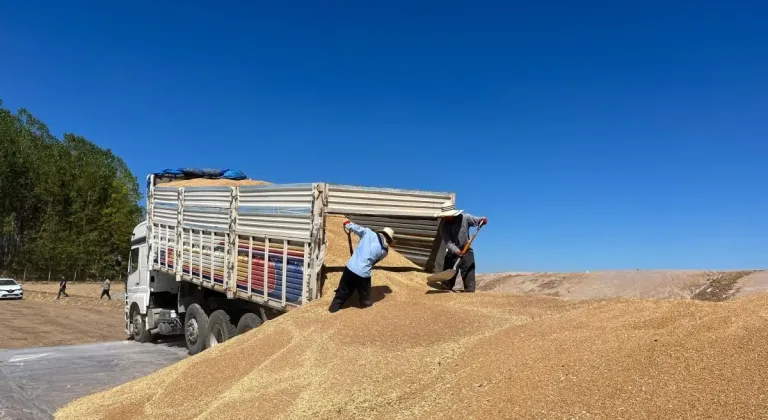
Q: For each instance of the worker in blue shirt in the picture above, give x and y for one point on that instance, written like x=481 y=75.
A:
x=371 y=249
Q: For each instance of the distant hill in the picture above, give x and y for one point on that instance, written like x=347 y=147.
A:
x=654 y=284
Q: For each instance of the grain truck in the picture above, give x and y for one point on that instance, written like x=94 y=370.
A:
x=214 y=261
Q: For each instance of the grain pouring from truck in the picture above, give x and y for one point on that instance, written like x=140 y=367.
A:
x=220 y=254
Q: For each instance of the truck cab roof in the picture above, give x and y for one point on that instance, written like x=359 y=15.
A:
x=139 y=233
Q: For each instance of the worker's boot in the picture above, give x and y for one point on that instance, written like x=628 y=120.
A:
x=364 y=293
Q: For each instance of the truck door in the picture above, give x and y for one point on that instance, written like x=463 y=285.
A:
x=138 y=278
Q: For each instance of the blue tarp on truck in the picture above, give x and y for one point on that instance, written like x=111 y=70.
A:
x=211 y=173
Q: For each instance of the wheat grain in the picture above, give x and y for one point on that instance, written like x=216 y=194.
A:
x=205 y=182
x=466 y=356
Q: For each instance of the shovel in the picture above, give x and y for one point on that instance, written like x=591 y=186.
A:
x=349 y=240
x=448 y=274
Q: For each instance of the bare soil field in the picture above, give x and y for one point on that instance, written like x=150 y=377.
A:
x=42 y=320
x=35 y=323
x=754 y=283
x=420 y=353
x=642 y=284
x=76 y=289
x=80 y=294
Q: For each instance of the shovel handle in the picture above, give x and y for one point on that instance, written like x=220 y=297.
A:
x=466 y=247
x=349 y=240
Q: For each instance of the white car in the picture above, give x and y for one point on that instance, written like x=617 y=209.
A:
x=11 y=289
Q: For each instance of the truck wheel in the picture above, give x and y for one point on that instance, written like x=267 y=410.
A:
x=220 y=328
x=195 y=328
x=247 y=322
x=140 y=332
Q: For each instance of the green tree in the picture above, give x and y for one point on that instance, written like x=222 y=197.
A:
x=66 y=205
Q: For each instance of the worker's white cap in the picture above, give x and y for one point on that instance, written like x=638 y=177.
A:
x=448 y=209
x=389 y=232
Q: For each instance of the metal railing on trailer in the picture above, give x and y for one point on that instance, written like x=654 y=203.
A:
x=259 y=243
x=266 y=243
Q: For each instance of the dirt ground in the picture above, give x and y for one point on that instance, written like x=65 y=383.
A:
x=639 y=284
x=117 y=290
x=754 y=283
x=41 y=320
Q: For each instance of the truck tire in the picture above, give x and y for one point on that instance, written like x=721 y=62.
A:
x=139 y=325
x=220 y=328
x=195 y=329
x=247 y=322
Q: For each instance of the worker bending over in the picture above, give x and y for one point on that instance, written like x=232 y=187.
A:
x=371 y=249
x=455 y=232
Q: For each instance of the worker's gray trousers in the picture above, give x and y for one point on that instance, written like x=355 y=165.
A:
x=466 y=268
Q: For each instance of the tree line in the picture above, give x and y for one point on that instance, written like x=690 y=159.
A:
x=67 y=206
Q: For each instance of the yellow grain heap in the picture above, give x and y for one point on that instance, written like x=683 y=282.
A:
x=416 y=355
x=205 y=182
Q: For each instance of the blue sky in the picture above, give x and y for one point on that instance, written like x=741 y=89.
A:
x=593 y=136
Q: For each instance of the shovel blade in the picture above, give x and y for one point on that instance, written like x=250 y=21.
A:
x=442 y=276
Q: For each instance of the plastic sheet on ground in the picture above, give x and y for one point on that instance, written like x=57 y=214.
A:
x=35 y=382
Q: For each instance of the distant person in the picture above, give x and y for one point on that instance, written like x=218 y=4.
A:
x=62 y=288
x=371 y=249
x=455 y=232
x=105 y=290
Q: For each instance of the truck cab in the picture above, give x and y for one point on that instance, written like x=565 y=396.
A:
x=136 y=283
x=149 y=294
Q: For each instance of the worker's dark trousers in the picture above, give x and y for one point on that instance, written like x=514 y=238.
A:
x=62 y=292
x=466 y=268
x=347 y=285
x=105 y=293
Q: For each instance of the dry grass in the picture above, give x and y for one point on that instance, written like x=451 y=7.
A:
x=467 y=356
x=205 y=182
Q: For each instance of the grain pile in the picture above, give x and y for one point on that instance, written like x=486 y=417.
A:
x=205 y=182
x=417 y=354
